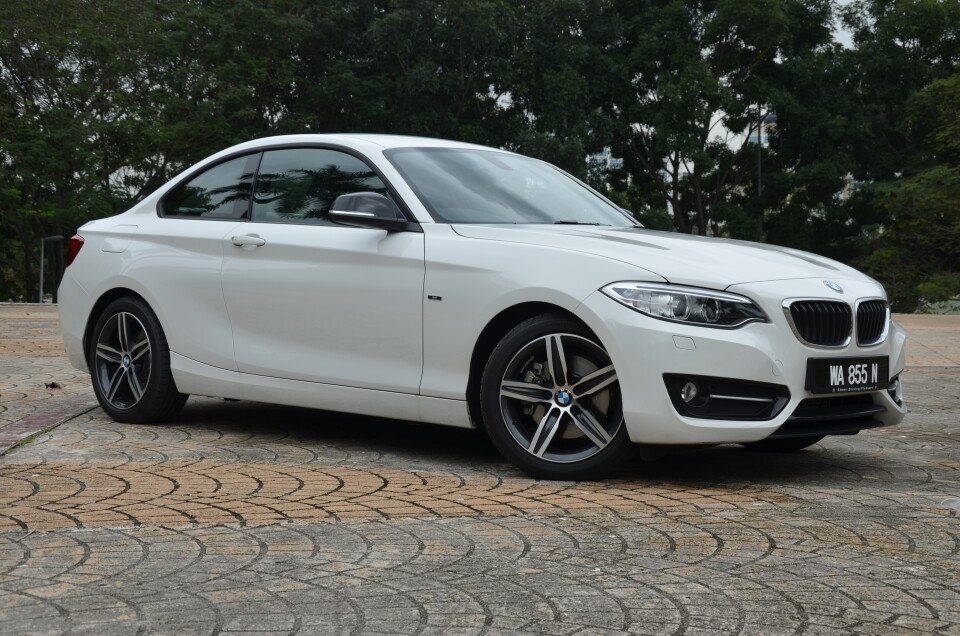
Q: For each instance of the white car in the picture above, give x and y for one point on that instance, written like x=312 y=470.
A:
x=444 y=282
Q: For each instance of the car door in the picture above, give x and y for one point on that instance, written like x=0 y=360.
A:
x=179 y=257
x=312 y=300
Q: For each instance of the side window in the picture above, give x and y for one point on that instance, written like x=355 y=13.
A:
x=299 y=185
x=222 y=192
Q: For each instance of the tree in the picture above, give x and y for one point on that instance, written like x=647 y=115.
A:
x=872 y=120
x=918 y=257
x=676 y=88
x=56 y=103
x=102 y=101
x=416 y=67
x=900 y=46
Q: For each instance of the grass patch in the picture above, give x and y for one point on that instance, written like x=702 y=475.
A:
x=29 y=438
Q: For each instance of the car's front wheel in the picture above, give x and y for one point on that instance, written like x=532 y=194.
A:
x=130 y=364
x=551 y=401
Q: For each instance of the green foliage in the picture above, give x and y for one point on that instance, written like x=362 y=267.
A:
x=900 y=46
x=923 y=206
x=924 y=240
x=103 y=101
x=678 y=87
x=943 y=307
x=883 y=118
x=417 y=67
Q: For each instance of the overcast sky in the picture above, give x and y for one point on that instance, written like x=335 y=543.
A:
x=842 y=35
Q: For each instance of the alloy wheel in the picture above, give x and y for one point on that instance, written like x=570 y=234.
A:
x=123 y=360
x=560 y=398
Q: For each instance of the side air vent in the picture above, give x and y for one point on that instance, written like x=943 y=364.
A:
x=872 y=319
x=824 y=323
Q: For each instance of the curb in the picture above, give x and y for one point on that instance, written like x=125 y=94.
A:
x=23 y=430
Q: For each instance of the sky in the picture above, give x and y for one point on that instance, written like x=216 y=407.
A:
x=843 y=36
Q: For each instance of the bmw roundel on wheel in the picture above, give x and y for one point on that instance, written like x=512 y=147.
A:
x=461 y=285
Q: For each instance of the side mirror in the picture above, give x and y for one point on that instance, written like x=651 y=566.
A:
x=369 y=209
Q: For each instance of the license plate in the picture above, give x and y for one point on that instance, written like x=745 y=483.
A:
x=847 y=375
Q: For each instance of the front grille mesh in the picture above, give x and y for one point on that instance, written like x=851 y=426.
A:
x=822 y=322
x=871 y=321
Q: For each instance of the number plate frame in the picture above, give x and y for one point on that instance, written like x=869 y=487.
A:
x=822 y=379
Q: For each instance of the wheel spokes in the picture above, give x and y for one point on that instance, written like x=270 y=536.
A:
x=122 y=360
x=589 y=426
x=114 y=383
x=139 y=349
x=108 y=353
x=122 y=331
x=134 y=383
x=526 y=391
x=556 y=360
x=595 y=381
x=548 y=427
x=559 y=398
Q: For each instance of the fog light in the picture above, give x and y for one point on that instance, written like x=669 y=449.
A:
x=688 y=392
x=895 y=391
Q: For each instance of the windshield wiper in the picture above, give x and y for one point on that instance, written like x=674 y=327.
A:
x=575 y=223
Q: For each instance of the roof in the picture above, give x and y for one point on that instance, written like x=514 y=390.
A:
x=355 y=139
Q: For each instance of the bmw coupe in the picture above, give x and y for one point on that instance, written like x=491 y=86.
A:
x=455 y=284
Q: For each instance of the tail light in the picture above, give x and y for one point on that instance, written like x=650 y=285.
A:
x=76 y=242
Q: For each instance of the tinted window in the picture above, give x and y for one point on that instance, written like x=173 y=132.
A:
x=300 y=184
x=222 y=192
x=460 y=185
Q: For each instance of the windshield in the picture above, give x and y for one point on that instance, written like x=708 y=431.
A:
x=459 y=185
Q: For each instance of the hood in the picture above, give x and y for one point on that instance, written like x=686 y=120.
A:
x=680 y=258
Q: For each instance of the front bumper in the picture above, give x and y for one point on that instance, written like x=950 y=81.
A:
x=644 y=349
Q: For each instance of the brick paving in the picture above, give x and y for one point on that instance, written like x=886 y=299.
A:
x=246 y=517
x=38 y=386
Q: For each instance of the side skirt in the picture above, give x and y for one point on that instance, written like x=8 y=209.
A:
x=197 y=378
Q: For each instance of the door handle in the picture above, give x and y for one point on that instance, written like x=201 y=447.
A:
x=247 y=239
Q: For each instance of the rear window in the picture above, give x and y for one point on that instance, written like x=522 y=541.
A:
x=220 y=192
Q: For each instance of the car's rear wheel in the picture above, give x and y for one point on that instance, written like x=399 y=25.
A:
x=130 y=364
x=784 y=444
x=551 y=401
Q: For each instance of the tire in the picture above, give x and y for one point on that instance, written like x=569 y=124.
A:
x=130 y=364
x=551 y=403
x=784 y=444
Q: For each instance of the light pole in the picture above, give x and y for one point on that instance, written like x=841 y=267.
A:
x=760 y=169
x=43 y=242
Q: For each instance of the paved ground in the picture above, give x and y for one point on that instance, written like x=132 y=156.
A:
x=247 y=517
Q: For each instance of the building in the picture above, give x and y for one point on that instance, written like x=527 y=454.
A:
x=604 y=161
x=761 y=136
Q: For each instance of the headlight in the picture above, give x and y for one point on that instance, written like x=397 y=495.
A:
x=690 y=305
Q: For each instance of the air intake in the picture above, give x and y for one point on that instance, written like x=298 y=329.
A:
x=825 y=323
x=836 y=415
x=871 y=322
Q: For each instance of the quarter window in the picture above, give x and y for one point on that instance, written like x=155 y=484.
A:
x=222 y=192
x=299 y=185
